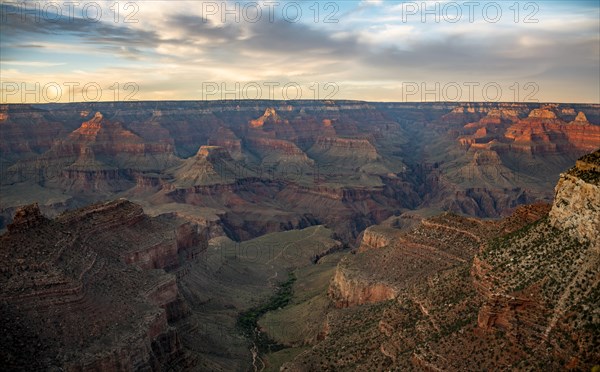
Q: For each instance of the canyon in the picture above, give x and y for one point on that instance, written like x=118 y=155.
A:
x=107 y=287
x=136 y=235
x=347 y=164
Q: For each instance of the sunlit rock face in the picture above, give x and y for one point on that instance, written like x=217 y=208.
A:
x=346 y=163
x=576 y=205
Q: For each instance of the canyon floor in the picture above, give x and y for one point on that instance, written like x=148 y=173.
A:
x=299 y=236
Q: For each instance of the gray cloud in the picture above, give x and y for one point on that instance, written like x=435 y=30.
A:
x=196 y=27
x=27 y=30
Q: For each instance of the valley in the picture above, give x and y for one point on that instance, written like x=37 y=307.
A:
x=299 y=235
x=285 y=165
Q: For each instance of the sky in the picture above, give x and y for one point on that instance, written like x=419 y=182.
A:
x=401 y=51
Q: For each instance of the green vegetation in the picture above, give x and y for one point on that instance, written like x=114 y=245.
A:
x=277 y=359
x=248 y=320
x=301 y=321
x=537 y=253
x=503 y=242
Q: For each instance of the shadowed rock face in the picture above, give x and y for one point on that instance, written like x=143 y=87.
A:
x=26 y=217
x=101 y=157
x=81 y=288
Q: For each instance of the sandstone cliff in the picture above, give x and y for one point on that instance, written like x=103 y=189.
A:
x=390 y=261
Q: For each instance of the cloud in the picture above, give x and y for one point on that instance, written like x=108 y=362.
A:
x=31 y=63
x=18 y=29
x=176 y=48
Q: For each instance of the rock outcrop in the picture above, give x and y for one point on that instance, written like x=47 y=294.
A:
x=343 y=151
x=26 y=217
x=99 y=157
x=390 y=261
x=541 y=132
x=576 y=205
x=418 y=305
x=270 y=116
x=544 y=132
x=347 y=291
x=375 y=237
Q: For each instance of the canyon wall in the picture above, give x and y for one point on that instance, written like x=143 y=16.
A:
x=84 y=288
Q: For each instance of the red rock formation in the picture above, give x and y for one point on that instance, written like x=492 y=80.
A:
x=101 y=156
x=3 y=113
x=544 y=132
x=375 y=237
x=270 y=116
x=346 y=292
x=110 y=138
x=212 y=165
x=580 y=119
x=351 y=148
x=389 y=261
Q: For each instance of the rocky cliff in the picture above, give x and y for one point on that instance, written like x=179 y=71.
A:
x=418 y=304
x=543 y=131
x=576 y=205
x=516 y=293
x=378 y=237
x=82 y=290
x=539 y=282
x=390 y=261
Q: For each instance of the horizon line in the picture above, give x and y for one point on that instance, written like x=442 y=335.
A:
x=300 y=100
